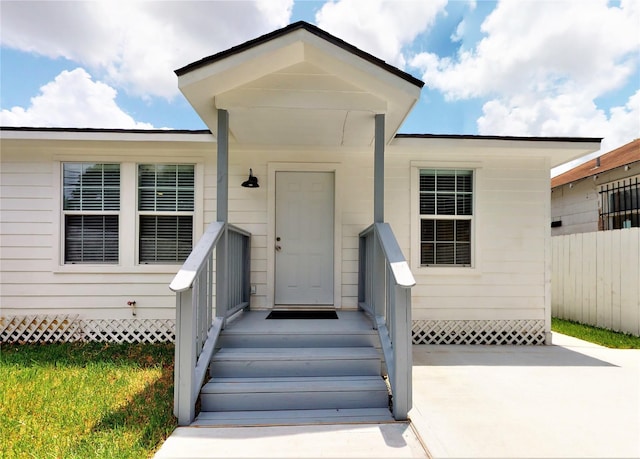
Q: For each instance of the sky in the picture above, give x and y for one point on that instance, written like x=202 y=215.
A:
x=510 y=67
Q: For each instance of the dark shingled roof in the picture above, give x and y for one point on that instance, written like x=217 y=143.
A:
x=109 y=130
x=499 y=137
x=626 y=154
x=311 y=29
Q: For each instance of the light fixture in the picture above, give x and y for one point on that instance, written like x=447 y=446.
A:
x=251 y=182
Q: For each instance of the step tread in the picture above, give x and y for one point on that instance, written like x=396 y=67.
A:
x=280 y=417
x=291 y=353
x=294 y=384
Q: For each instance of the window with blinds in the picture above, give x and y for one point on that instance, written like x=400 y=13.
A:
x=91 y=206
x=165 y=210
x=446 y=216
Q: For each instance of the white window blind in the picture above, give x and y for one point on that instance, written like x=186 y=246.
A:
x=446 y=215
x=165 y=208
x=91 y=204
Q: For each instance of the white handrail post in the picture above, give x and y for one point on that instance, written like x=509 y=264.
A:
x=222 y=274
x=184 y=396
x=379 y=278
x=403 y=359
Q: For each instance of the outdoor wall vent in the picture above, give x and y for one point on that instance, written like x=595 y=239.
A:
x=556 y=223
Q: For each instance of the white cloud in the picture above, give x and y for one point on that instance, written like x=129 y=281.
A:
x=73 y=99
x=382 y=28
x=542 y=66
x=541 y=46
x=134 y=44
x=458 y=35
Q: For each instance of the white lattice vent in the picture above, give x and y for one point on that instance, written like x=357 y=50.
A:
x=40 y=329
x=526 y=332
x=129 y=330
x=68 y=328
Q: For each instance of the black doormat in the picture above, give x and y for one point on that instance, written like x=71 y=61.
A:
x=302 y=315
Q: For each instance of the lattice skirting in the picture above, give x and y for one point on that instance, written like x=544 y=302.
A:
x=478 y=332
x=68 y=328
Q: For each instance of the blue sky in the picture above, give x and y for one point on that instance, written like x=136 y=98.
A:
x=512 y=67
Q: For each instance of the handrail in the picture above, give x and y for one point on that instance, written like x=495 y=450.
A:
x=186 y=276
x=198 y=321
x=399 y=267
x=384 y=283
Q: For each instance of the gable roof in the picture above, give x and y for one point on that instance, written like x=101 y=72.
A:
x=299 y=85
x=288 y=29
x=622 y=156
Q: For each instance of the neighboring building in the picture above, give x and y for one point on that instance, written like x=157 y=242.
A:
x=601 y=194
x=96 y=222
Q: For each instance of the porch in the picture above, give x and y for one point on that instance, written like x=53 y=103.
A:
x=297 y=88
x=242 y=367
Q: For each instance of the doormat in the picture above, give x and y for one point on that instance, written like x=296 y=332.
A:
x=302 y=315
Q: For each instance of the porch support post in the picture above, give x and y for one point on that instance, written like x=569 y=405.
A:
x=222 y=201
x=378 y=170
x=223 y=166
x=379 y=265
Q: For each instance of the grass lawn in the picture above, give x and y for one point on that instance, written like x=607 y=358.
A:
x=85 y=400
x=595 y=335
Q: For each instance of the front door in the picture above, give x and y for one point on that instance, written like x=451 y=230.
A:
x=304 y=238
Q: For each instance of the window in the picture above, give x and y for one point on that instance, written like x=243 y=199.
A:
x=91 y=205
x=446 y=215
x=165 y=210
x=620 y=204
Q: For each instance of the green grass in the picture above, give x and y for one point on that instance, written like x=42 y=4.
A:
x=595 y=335
x=85 y=400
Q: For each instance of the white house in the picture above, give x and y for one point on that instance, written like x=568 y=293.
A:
x=96 y=223
x=600 y=194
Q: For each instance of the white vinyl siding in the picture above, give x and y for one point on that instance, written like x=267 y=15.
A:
x=510 y=223
x=165 y=210
x=446 y=213
x=91 y=205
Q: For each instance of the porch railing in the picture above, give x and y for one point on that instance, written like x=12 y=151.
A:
x=198 y=322
x=384 y=291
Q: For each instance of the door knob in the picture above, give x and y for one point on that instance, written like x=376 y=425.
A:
x=278 y=248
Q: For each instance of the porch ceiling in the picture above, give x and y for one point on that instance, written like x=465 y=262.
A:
x=298 y=88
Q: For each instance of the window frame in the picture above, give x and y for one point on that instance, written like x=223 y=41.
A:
x=416 y=253
x=64 y=213
x=128 y=224
x=140 y=213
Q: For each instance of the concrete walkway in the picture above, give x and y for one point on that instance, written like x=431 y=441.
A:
x=570 y=400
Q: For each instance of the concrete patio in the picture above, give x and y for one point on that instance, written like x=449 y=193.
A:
x=572 y=399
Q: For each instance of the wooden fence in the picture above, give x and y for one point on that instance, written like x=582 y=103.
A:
x=596 y=279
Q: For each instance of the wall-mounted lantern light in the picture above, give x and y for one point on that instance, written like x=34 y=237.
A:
x=251 y=182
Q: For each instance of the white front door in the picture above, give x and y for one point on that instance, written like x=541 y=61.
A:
x=304 y=238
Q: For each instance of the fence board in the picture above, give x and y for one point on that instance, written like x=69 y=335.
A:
x=589 y=284
x=596 y=279
x=608 y=280
x=568 y=282
x=616 y=253
x=630 y=283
